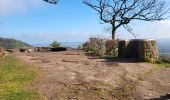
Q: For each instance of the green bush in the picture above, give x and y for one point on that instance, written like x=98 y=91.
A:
x=112 y=47
x=79 y=47
x=95 y=45
x=101 y=47
x=163 y=59
x=55 y=44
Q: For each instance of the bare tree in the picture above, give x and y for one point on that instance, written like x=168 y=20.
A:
x=122 y=12
x=52 y=1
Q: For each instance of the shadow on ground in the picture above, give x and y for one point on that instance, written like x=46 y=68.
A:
x=165 y=97
x=113 y=59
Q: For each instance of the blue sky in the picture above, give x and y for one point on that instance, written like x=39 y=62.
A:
x=35 y=21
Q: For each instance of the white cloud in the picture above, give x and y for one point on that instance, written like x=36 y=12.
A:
x=10 y=6
x=165 y=22
x=156 y=30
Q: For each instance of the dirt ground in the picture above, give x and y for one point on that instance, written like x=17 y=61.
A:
x=73 y=75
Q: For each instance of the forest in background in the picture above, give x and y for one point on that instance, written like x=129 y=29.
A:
x=9 y=43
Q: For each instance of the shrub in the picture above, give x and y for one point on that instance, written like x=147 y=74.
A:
x=163 y=59
x=112 y=47
x=101 y=47
x=95 y=45
x=55 y=44
x=86 y=46
x=79 y=47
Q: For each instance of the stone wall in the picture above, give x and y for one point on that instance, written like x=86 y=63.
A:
x=41 y=49
x=34 y=49
x=144 y=50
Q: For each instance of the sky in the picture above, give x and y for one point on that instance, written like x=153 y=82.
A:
x=37 y=22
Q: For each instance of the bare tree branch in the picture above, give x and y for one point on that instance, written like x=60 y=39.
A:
x=121 y=12
x=130 y=30
x=52 y=1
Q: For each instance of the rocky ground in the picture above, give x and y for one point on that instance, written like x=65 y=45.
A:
x=74 y=75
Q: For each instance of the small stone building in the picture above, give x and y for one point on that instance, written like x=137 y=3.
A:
x=142 y=49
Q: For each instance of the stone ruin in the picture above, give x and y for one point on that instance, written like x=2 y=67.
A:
x=34 y=49
x=42 y=49
x=142 y=49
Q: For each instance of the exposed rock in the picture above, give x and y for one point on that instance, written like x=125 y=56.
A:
x=26 y=49
x=41 y=49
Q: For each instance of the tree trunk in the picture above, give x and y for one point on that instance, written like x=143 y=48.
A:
x=113 y=33
x=113 y=30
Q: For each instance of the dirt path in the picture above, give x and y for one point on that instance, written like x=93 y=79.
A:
x=72 y=75
x=155 y=86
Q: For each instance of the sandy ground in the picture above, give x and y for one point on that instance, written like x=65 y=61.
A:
x=73 y=75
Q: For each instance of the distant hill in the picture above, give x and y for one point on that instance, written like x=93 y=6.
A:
x=164 y=45
x=9 y=43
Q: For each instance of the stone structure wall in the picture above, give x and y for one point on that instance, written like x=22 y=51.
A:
x=34 y=49
x=41 y=49
x=144 y=50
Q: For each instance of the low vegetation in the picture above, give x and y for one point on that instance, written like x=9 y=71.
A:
x=163 y=61
x=55 y=44
x=15 y=77
x=101 y=47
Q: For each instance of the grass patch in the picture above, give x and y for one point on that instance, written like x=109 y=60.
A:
x=163 y=61
x=156 y=68
x=14 y=78
x=164 y=65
